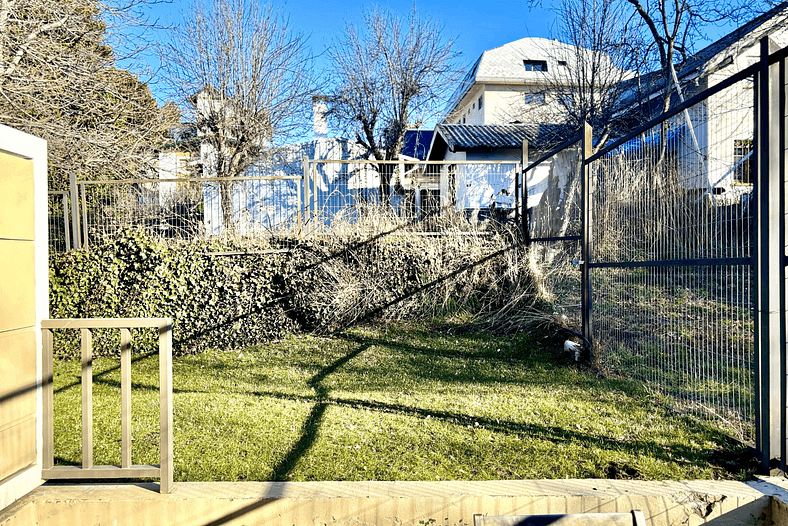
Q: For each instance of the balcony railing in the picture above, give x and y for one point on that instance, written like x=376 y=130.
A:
x=164 y=471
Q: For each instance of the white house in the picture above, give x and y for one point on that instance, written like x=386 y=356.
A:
x=519 y=82
x=721 y=127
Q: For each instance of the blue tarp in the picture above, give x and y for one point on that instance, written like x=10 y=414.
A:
x=640 y=142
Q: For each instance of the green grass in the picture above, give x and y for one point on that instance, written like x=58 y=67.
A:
x=393 y=403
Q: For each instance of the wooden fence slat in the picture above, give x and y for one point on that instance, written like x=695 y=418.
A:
x=125 y=397
x=165 y=406
x=87 y=399
x=47 y=397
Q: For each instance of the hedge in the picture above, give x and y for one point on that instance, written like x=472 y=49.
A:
x=260 y=293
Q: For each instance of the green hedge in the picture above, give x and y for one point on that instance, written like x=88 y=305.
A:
x=228 y=301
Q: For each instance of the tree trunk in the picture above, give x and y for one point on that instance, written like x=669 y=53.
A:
x=226 y=192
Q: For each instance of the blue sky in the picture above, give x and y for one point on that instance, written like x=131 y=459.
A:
x=475 y=25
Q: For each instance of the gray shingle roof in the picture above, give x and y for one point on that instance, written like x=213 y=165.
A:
x=501 y=135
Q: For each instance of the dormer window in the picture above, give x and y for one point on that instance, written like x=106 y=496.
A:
x=535 y=65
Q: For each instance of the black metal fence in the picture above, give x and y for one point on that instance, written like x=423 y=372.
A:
x=678 y=230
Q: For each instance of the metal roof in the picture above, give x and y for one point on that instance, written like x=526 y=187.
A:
x=501 y=135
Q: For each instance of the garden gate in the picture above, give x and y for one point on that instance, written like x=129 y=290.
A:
x=679 y=232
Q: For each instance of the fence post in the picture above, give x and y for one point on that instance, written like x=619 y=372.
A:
x=769 y=269
x=782 y=94
x=85 y=230
x=72 y=182
x=66 y=229
x=585 y=201
x=521 y=193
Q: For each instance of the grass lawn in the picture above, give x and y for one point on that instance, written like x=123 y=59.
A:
x=399 y=402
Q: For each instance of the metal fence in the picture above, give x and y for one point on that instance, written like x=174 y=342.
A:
x=363 y=194
x=677 y=230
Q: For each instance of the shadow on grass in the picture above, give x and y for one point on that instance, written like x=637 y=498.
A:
x=312 y=423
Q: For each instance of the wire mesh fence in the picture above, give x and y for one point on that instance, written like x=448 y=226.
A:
x=367 y=196
x=59 y=221
x=427 y=195
x=553 y=224
x=184 y=208
x=671 y=267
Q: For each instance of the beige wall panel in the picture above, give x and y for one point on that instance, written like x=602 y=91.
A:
x=17 y=285
x=16 y=197
x=18 y=374
x=17 y=447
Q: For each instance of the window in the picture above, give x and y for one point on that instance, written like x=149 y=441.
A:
x=742 y=161
x=562 y=63
x=463 y=120
x=534 y=98
x=535 y=65
x=480 y=102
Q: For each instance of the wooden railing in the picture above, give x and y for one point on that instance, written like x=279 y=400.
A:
x=126 y=470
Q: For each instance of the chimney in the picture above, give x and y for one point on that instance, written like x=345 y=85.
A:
x=319 y=110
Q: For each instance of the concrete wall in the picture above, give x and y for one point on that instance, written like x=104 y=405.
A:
x=717 y=503
x=23 y=303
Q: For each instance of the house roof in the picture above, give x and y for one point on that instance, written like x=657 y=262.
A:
x=716 y=55
x=504 y=64
x=416 y=143
x=466 y=136
x=703 y=62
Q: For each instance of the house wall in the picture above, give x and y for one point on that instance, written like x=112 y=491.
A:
x=23 y=303
x=504 y=104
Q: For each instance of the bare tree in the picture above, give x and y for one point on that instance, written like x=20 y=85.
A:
x=249 y=82
x=390 y=75
x=674 y=26
x=58 y=80
x=605 y=49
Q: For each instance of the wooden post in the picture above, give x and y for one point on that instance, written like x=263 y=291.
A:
x=125 y=397
x=47 y=392
x=769 y=269
x=165 y=406
x=72 y=182
x=585 y=293
x=87 y=399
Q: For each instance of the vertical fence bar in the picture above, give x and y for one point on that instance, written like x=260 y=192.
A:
x=299 y=218
x=522 y=192
x=165 y=406
x=305 y=179
x=125 y=397
x=87 y=399
x=585 y=281
x=66 y=229
x=314 y=190
x=783 y=151
x=85 y=232
x=72 y=182
x=768 y=353
x=47 y=397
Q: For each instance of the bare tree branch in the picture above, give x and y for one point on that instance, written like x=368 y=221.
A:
x=248 y=80
x=58 y=80
x=390 y=75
